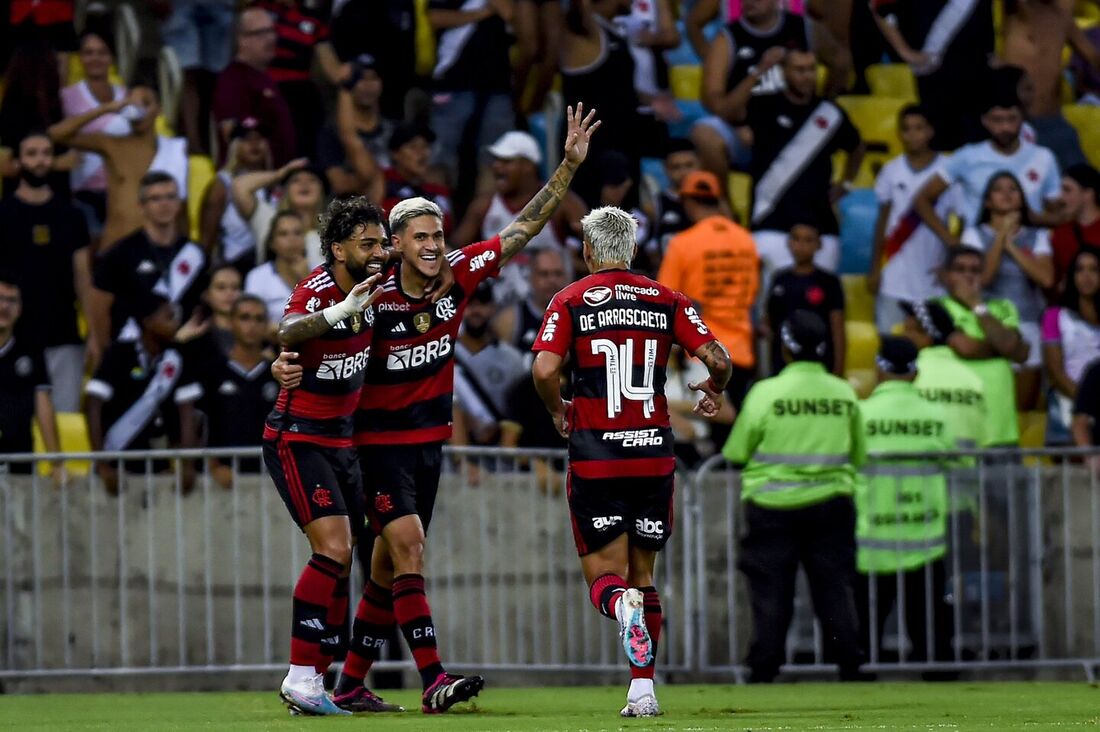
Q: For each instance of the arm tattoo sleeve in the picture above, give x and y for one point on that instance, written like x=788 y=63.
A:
x=717 y=360
x=300 y=327
x=537 y=212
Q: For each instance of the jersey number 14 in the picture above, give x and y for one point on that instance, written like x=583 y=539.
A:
x=619 y=362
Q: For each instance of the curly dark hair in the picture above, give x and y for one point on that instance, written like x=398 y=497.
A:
x=343 y=217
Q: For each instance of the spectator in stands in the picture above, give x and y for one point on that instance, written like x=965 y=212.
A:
x=222 y=292
x=157 y=258
x=795 y=134
x=987 y=338
x=89 y=176
x=1081 y=197
x=1071 y=333
x=48 y=23
x=948 y=49
x=515 y=169
x=598 y=71
x=143 y=392
x=650 y=29
x=668 y=217
x=716 y=265
x=407 y=177
x=472 y=97
x=1086 y=413
x=1084 y=73
x=1017 y=267
x=486 y=370
x=354 y=148
x=302 y=39
x=224 y=233
x=805 y=286
x=972 y=166
x=1035 y=32
x=24 y=384
x=287 y=265
x=238 y=390
x=245 y=88
x=45 y=241
x=200 y=32
x=906 y=254
x=32 y=87
x=743 y=49
x=392 y=42
x=617 y=188
x=302 y=190
x=518 y=324
x=129 y=158
x=537 y=25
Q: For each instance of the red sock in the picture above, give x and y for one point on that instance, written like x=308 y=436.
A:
x=651 y=607
x=373 y=620
x=604 y=591
x=410 y=608
x=313 y=595
x=336 y=625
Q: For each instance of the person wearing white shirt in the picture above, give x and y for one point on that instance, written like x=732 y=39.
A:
x=274 y=280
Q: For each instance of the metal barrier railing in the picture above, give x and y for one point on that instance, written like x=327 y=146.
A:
x=158 y=580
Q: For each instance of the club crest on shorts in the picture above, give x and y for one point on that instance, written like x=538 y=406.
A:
x=322 y=497
x=382 y=503
x=422 y=321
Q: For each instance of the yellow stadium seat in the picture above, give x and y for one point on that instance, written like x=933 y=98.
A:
x=686 y=82
x=425 y=39
x=859 y=304
x=892 y=80
x=862 y=345
x=740 y=192
x=200 y=174
x=862 y=380
x=1085 y=119
x=73 y=431
x=876 y=118
x=76 y=71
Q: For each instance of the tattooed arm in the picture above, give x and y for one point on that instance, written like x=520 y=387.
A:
x=717 y=360
x=298 y=327
x=542 y=207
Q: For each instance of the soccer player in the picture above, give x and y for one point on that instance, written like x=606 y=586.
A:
x=618 y=327
x=307 y=439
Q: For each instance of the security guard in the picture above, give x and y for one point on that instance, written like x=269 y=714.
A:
x=799 y=437
x=943 y=378
x=901 y=505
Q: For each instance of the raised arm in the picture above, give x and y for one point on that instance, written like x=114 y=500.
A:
x=539 y=209
x=700 y=15
x=245 y=185
x=67 y=131
x=298 y=327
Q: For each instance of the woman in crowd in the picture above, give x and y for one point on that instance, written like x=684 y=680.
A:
x=274 y=280
x=302 y=191
x=1071 y=338
x=1018 y=267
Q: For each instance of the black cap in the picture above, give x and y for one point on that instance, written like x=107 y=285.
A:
x=897 y=356
x=244 y=126
x=933 y=318
x=363 y=62
x=406 y=133
x=804 y=334
x=483 y=292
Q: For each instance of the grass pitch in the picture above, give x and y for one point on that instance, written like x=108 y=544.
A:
x=804 y=706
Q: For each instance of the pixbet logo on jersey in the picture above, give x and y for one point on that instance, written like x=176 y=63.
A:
x=412 y=357
x=343 y=367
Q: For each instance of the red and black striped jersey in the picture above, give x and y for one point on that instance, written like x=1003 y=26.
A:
x=298 y=31
x=407 y=398
x=334 y=366
x=617 y=329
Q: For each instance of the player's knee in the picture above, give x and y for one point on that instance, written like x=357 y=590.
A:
x=407 y=555
x=336 y=549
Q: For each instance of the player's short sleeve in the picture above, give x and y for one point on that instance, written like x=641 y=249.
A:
x=688 y=327
x=556 y=333
x=302 y=301
x=475 y=263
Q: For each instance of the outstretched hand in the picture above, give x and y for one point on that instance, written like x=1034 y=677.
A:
x=710 y=402
x=578 y=133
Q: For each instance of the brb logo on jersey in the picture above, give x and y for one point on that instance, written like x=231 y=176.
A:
x=413 y=357
x=343 y=367
x=596 y=296
x=445 y=308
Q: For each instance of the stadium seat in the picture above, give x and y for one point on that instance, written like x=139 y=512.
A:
x=73 y=432
x=862 y=380
x=892 y=80
x=740 y=194
x=686 y=82
x=862 y=345
x=1085 y=119
x=425 y=39
x=858 y=212
x=876 y=118
x=859 y=305
x=200 y=174
x=76 y=71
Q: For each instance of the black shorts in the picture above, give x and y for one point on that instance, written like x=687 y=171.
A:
x=400 y=480
x=604 y=509
x=316 y=481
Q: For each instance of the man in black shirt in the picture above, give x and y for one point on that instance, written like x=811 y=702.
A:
x=795 y=134
x=391 y=40
x=24 y=385
x=804 y=286
x=238 y=392
x=143 y=391
x=157 y=258
x=46 y=243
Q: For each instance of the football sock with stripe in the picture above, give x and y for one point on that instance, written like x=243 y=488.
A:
x=651 y=607
x=410 y=608
x=336 y=625
x=313 y=594
x=604 y=593
x=373 y=620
